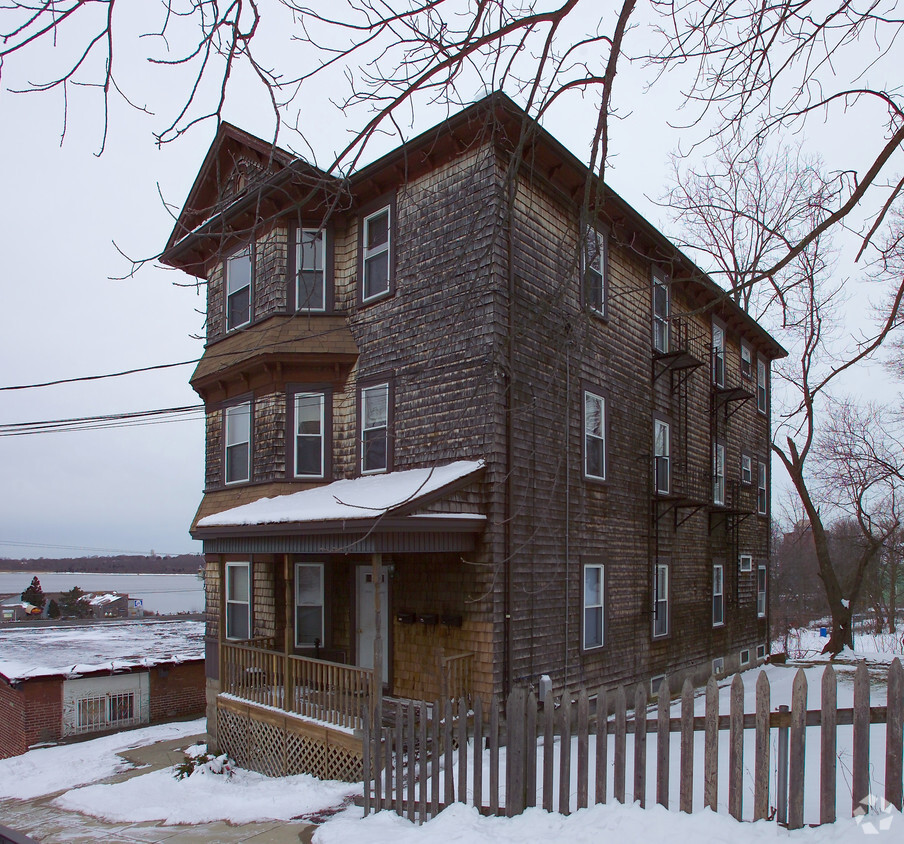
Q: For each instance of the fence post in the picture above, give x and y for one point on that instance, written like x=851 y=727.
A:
x=583 y=748
x=422 y=771
x=860 y=775
x=640 y=744
x=410 y=760
x=894 y=735
x=400 y=759
x=367 y=774
x=530 y=752
x=686 y=788
x=463 y=750
x=797 y=758
x=736 y=748
x=548 y=749
x=663 y=741
x=494 y=755
x=711 y=745
x=448 y=766
x=514 y=753
x=761 y=764
x=437 y=766
x=620 y=731
x=828 y=732
x=782 y=776
x=602 y=744
x=478 y=752
x=565 y=756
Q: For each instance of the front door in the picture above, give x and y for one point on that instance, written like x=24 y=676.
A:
x=366 y=626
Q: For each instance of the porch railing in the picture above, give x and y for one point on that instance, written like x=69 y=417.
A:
x=455 y=675
x=325 y=691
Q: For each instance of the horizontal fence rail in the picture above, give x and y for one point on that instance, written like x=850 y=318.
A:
x=331 y=692
x=558 y=755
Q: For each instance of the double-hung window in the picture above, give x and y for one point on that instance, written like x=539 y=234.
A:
x=375 y=428
x=660 y=599
x=594 y=592
x=309 y=604
x=376 y=268
x=238 y=442
x=594 y=265
x=239 y=272
x=746 y=469
x=761 y=591
x=660 y=312
x=746 y=361
x=762 y=489
x=310 y=409
x=238 y=600
x=718 y=595
x=661 y=454
x=310 y=270
x=718 y=355
x=594 y=436
x=762 y=374
x=718 y=473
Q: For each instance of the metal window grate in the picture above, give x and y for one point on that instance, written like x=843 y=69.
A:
x=108 y=710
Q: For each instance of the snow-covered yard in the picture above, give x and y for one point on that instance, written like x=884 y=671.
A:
x=75 y=770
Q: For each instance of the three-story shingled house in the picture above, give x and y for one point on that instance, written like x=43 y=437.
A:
x=537 y=426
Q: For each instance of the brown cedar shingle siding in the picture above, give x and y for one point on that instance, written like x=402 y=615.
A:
x=443 y=337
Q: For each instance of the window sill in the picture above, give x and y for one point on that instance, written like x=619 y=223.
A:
x=379 y=297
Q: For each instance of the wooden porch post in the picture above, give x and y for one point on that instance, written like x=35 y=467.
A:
x=377 y=571
x=288 y=615
x=221 y=620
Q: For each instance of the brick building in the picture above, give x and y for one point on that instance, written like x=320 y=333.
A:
x=464 y=430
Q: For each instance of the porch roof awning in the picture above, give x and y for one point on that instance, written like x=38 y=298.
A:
x=371 y=504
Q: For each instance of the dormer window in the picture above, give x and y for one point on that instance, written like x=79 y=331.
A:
x=310 y=274
x=239 y=272
x=376 y=269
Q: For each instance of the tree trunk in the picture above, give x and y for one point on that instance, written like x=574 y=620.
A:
x=842 y=633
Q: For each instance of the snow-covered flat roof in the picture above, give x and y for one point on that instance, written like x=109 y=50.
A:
x=367 y=497
x=75 y=650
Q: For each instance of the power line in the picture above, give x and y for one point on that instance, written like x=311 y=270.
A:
x=99 y=377
x=110 y=420
x=90 y=548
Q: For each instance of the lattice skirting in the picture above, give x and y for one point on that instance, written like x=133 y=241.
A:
x=277 y=750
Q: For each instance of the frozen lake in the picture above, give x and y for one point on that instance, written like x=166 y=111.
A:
x=163 y=593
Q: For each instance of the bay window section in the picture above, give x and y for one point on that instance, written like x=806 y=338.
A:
x=310 y=272
x=239 y=273
x=238 y=443
x=238 y=601
x=594 y=588
x=374 y=428
x=309 y=435
x=309 y=604
x=594 y=436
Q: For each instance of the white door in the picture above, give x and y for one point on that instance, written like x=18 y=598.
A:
x=367 y=628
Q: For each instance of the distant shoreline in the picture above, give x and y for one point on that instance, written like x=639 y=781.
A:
x=114 y=564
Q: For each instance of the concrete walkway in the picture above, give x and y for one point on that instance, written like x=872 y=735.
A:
x=49 y=824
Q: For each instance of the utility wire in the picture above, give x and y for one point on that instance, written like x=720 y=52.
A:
x=99 y=377
x=112 y=420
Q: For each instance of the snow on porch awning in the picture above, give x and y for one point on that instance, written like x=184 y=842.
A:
x=374 y=513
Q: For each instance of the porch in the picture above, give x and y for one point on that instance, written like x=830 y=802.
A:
x=284 y=714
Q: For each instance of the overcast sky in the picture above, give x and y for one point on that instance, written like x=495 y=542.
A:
x=65 y=314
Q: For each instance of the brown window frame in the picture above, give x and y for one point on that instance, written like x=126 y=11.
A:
x=387 y=201
x=329 y=293
x=293 y=390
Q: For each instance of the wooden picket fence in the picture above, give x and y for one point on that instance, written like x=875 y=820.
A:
x=421 y=763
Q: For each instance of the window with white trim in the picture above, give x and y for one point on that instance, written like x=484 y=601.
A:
x=746 y=361
x=762 y=489
x=745 y=657
x=238 y=600
x=594 y=594
x=718 y=595
x=376 y=270
x=238 y=443
x=239 y=273
x=661 y=456
x=660 y=312
x=661 y=599
x=718 y=473
x=760 y=652
x=746 y=469
x=594 y=436
x=309 y=435
x=310 y=270
x=655 y=683
x=309 y=605
x=745 y=563
x=718 y=666
x=762 y=375
x=718 y=355
x=594 y=259
x=375 y=428
x=761 y=591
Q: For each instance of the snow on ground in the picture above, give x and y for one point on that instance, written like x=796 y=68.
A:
x=807 y=643
x=50 y=769
x=78 y=649
x=611 y=822
x=203 y=797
